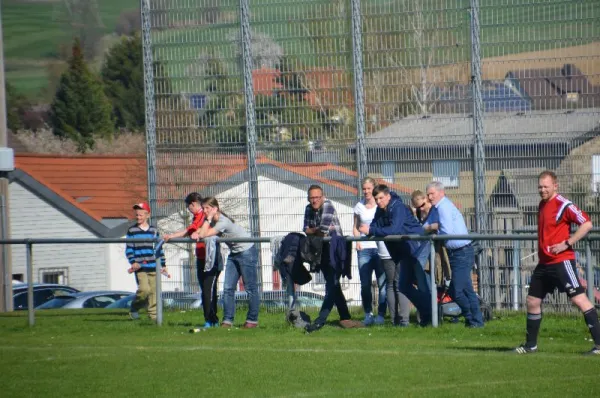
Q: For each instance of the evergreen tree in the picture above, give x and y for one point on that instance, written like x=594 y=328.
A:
x=123 y=77
x=80 y=109
x=16 y=104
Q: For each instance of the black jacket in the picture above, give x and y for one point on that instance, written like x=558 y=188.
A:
x=290 y=259
x=336 y=255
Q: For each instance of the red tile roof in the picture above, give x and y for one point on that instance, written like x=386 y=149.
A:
x=107 y=186
x=264 y=81
x=102 y=186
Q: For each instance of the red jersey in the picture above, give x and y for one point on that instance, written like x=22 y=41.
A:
x=554 y=226
x=194 y=226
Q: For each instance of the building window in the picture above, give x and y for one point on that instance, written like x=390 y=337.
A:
x=596 y=173
x=54 y=275
x=388 y=169
x=572 y=97
x=446 y=172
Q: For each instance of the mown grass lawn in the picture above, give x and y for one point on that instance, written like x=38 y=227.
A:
x=101 y=354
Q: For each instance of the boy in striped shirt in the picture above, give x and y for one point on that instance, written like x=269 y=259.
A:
x=142 y=257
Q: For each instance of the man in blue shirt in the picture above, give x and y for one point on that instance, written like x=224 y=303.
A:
x=460 y=254
x=393 y=217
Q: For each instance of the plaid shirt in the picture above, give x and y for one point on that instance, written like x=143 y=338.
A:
x=324 y=218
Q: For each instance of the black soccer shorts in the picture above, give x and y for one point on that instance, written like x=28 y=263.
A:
x=561 y=276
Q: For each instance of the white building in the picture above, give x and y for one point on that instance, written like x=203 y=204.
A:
x=74 y=197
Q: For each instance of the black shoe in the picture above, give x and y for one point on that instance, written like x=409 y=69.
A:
x=525 y=349
x=594 y=351
x=313 y=327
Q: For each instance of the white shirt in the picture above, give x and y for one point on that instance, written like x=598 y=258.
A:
x=365 y=216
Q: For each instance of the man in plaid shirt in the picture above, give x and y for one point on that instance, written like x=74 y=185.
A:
x=321 y=219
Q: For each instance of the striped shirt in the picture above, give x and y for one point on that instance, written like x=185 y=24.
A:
x=143 y=253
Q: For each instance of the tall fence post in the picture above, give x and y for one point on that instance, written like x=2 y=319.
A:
x=589 y=270
x=481 y=215
x=29 y=270
x=359 y=95
x=253 y=200
x=434 y=303
x=159 y=302
x=516 y=272
x=149 y=100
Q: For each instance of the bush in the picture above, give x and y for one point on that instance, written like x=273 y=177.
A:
x=45 y=142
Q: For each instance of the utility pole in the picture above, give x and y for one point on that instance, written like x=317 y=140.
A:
x=6 y=302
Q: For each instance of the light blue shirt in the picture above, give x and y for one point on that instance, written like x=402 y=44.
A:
x=451 y=223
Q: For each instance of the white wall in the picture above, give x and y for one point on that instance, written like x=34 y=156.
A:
x=281 y=208
x=118 y=278
x=32 y=217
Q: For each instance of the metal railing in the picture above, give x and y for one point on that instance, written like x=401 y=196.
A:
x=392 y=238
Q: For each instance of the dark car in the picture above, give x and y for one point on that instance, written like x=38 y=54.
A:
x=96 y=299
x=42 y=293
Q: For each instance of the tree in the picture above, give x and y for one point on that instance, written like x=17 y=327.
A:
x=123 y=77
x=80 y=109
x=16 y=105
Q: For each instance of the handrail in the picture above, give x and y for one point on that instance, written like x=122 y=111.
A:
x=29 y=242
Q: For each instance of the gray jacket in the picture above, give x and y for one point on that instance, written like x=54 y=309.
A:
x=213 y=254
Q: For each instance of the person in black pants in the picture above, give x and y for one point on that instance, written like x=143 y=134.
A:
x=321 y=219
x=208 y=283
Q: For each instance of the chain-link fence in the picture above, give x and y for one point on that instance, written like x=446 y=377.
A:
x=253 y=101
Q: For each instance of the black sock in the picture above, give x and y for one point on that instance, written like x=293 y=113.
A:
x=591 y=320
x=533 y=328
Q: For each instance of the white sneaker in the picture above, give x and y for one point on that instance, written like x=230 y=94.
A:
x=134 y=315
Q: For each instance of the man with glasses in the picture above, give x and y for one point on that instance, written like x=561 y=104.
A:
x=321 y=219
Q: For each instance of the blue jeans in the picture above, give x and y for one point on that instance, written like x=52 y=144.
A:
x=369 y=262
x=423 y=254
x=411 y=271
x=461 y=287
x=244 y=264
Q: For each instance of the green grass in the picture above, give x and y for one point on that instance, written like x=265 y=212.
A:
x=93 y=353
x=33 y=34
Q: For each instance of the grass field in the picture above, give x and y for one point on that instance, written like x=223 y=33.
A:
x=33 y=32
x=100 y=354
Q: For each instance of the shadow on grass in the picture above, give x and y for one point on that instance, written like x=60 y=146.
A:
x=482 y=349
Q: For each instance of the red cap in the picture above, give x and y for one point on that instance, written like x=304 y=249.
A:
x=142 y=206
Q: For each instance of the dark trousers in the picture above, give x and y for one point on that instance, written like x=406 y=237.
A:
x=333 y=291
x=208 y=285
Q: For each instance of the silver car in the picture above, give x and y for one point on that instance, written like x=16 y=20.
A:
x=171 y=301
x=96 y=299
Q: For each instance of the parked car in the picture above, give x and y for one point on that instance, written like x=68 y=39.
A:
x=171 y=300
x=277 y=299
x=96 y=299
x=42 y=293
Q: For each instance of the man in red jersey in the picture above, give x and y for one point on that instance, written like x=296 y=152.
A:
x=556 y=268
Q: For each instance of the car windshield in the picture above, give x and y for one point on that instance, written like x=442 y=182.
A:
x=57 y=302
x=125 y=302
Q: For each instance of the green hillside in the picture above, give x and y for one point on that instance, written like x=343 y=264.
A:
x=33 y=33
x=317 y=32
